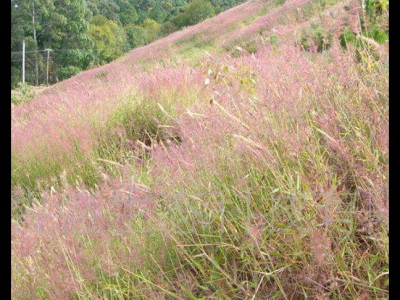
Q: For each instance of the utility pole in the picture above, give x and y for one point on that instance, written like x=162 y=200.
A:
x=47 y=68
x=36 y=45
x=23 y=62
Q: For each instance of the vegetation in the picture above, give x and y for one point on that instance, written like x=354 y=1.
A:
x=24 y=93
x=316 y=39
x=87 y=33
x=241 y=158
x=108 y=39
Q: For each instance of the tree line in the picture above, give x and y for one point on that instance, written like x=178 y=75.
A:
x=87 y=33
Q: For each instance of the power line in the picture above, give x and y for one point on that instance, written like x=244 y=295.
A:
x=15 y=52
x=60 y=50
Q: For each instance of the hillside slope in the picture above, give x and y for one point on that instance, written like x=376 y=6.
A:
x=245 y=157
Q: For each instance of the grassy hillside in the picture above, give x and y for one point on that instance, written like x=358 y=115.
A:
x=245 y=157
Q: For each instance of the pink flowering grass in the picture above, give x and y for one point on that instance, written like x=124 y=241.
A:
x=258 y=173
x=259 y=176
x=70 y=138
x=80 y=238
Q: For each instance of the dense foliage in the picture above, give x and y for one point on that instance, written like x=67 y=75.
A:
x=86 y=33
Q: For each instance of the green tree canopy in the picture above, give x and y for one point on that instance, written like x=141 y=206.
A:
x=136 y=35
x=127 y=12
x=195 y=11
x=152 y=29
x=63 y=26
x=108 y=39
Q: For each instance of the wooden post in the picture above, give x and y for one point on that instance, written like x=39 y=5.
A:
x=47 y=67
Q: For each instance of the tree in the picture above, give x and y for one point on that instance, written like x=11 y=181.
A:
x=198 y=10
x=68 y=25
x=152 y=29
x=221 y=5
x=136 y=35
x=108 y=39
x=168 y=28
x=27 y=22
x=127 y=12
x=63 y=26
x=106 y=8
x=57 y=24
x=145 y=5
x=195 y=11
x=158 y=13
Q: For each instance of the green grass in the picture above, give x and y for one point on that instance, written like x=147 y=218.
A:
x=313 y=7
x=24 y=93
x=134 y=126
x=193 y=49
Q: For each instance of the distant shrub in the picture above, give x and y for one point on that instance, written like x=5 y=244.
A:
x=108 y=39
x=346 y=38
x=375 y=23
x=195 y=12
x=279 y=2
x=377 y=33
x=101 y=74
x=15 y=76
x=316 y=38
x=313 y=7
x=136 y=35
x=67 y=72
x=192 y=39
x=152 y=29
x=133 y=128
x=364 y=51
x=22 y=94
x=273 y=39
x=304 y=41
x=375 y=8
x=374 y=31
x=251 y=46
x=168 y=28
x=241 y=47
x=178 y=21
x=198 y=10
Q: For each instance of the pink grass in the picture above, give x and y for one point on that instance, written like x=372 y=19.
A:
x=318 y=122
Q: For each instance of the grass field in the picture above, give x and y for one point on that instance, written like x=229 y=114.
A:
x=245 y=157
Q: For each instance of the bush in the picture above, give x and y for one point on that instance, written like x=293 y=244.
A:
x=347 y=38
x=375 y=24
x=136 y=35
x=242 y=47
x=195 y=12
x=273 y=39
x=67 y=72
x=15 y=76
x=168 y=28
x=377 y=33
x=152 y=29
x=375 y=8
x=22 y=94
x=316 y=38
x=108 y=39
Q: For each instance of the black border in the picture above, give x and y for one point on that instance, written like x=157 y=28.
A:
x=394 y=194
x=6 y=131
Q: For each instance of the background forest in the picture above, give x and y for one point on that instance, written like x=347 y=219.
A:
x=83 y=34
